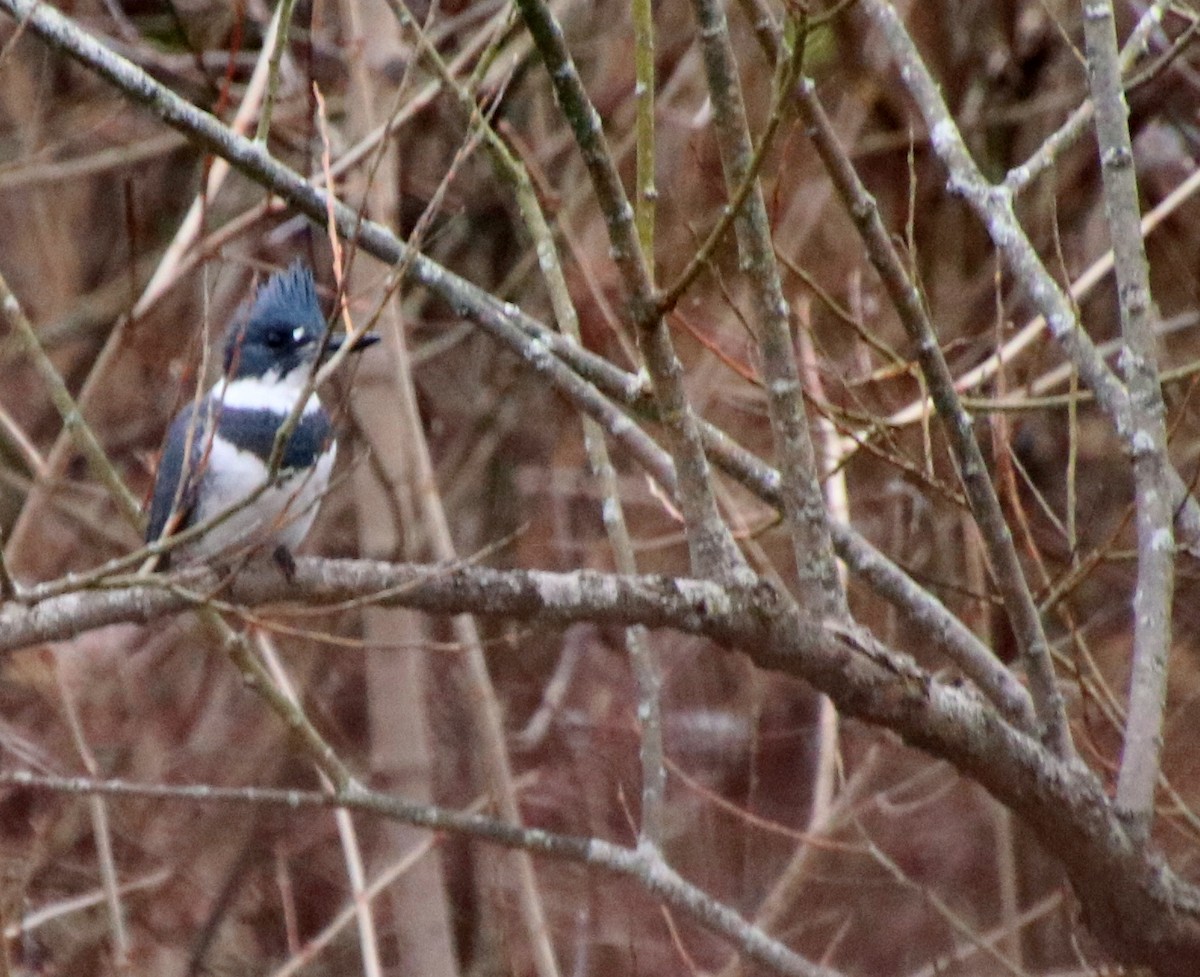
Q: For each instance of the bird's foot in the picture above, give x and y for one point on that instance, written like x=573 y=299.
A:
x=285 y=561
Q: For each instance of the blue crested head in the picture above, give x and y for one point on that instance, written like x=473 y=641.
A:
x=280 y=330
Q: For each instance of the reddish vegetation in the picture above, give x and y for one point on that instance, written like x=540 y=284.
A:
x=913 y=866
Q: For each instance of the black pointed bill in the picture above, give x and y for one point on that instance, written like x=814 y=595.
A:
x=338 y=340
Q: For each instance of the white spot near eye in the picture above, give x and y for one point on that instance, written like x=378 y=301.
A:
x=298 y=334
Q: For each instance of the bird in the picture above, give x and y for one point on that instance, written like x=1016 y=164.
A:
x=217 y=449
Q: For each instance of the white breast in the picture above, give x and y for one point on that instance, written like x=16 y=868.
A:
x=281 y=514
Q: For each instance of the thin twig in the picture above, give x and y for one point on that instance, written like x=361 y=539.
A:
x=646 y=198
x=74 y=424
x=101 y=827
x=787 y=70
x=360 y=901
x=276 y=43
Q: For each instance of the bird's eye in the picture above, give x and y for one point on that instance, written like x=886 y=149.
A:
x=276 y=338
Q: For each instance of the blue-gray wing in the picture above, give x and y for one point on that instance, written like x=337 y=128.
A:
x=185 y=435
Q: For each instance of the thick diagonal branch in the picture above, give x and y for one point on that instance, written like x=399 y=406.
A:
x=1133 y=902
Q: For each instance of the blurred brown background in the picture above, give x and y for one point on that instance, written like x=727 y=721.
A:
x=92 y=190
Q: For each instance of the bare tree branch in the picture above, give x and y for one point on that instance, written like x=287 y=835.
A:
x=544 y=351
x=993 y=204
x=1139 y=364
x=642 y=658
x=713 y=550
x=803 y=502
x=649 y=872
x=981 y=493
x=1021 y=177
x=1135 y=904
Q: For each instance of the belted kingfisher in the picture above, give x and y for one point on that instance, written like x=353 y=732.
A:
x=217 y=450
